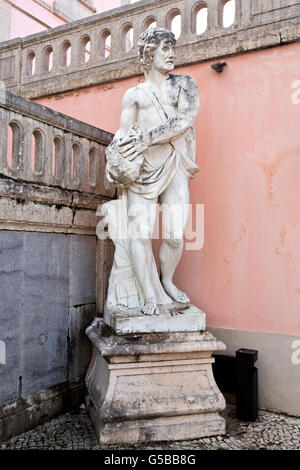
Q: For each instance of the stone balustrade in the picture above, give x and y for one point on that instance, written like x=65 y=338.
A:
x=39 y=145
x=102 y=48
x=52 y=161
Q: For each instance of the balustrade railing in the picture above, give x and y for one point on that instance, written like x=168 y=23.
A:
x=39 y=145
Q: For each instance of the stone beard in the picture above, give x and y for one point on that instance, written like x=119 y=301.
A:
x=151 y=158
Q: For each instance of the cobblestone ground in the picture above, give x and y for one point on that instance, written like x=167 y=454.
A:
x=74 y=431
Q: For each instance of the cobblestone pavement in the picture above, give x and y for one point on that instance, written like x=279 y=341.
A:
x=74 y=431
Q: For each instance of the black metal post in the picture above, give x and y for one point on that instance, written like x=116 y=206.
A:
x=246 y=385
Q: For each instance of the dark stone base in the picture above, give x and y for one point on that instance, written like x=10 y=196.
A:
x=25 y=414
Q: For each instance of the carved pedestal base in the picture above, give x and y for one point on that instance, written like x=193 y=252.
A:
x=153 y=387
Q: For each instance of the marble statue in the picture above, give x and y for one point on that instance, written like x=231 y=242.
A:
x=150 y=377
x=151 y=160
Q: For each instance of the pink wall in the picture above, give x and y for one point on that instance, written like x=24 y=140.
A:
x=103 y=5
x=23 y=25
x=247 y=276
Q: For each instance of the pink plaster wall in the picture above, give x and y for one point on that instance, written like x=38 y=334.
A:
x=247 y=276
x=23 y=25
x=103 y=5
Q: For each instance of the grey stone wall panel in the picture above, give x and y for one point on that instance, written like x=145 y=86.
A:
x=42 y=275
x=82 y=270
x=45 y=304
x=22 y=415
x=11 y=277
x=79 y=346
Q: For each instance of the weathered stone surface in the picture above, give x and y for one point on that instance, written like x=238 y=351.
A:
x=45 y=340
x=156 y=387
x=26 y=206
x=11 y=276
x=143 y=345
x=48 y=200
x=82 y=270
x=172 y=317
x=69 y=154
x=28 y=108
x=44 y=319
x=169 y=428
x=79 y=347
x=24 y=414
x=86 y=219
x=105 y=255
x=24 y=213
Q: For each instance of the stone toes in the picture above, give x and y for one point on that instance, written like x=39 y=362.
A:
x=150 y=310
x=184 y=298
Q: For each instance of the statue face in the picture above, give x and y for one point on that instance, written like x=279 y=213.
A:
x=163 y=57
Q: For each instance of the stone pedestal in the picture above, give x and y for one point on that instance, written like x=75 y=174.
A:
x=153 y=387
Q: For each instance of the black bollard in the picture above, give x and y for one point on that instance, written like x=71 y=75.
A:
x=246 y=385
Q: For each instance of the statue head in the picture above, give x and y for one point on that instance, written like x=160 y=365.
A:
x=152 y=39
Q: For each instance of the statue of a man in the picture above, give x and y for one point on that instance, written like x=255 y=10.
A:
x=152 y=157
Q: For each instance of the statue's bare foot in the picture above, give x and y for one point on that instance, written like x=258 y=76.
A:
x=175 y=293
x=150 y=308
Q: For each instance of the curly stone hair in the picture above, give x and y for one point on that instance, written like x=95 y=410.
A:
x=149 y=41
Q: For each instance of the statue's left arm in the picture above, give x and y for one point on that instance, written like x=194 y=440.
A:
x=188 y=106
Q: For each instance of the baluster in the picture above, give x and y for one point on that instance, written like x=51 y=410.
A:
x=4 y=122
x=47 y=176
x=84 y=165
x=213 y=17
x=95 y=56
x=245 y=13
x=186 y=16
x=115 y=29
x=68 y=138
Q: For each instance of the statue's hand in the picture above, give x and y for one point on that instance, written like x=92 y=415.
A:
x=132 y=146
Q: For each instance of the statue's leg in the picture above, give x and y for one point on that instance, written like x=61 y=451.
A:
x=141 y=218
x=174 y=206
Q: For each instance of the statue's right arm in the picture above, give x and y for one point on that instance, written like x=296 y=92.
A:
x=128 y=115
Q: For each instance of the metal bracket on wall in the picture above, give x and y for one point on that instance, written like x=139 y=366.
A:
x=219 y=66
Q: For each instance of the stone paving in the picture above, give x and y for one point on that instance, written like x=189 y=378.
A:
x=74 y=431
